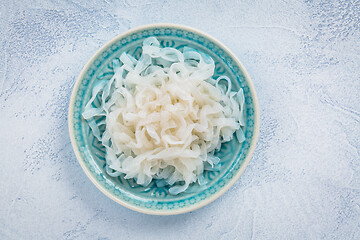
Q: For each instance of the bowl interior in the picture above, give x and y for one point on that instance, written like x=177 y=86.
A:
x=91 y=153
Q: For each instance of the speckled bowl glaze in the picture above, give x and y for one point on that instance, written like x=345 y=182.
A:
x=90 y=153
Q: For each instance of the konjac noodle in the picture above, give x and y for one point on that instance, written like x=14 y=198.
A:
x=165 y=116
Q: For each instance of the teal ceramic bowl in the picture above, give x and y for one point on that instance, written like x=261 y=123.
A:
x=152 y=199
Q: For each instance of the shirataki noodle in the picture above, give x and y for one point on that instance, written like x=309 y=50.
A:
x=165 y=116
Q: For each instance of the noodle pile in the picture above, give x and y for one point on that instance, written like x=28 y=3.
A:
x=165 y=116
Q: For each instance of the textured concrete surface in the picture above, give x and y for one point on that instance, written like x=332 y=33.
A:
x=304 y=179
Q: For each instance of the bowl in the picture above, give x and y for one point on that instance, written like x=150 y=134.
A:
x=151 y=199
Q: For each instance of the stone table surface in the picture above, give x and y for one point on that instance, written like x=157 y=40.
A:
x=303 y=181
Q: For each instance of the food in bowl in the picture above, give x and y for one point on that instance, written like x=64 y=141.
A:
x=164 y=116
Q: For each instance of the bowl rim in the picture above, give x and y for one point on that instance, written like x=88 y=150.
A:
x=186 y=208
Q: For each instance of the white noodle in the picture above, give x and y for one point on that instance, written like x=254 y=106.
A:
x=165 y=116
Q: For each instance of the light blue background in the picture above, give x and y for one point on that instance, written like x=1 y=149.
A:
x=304 y=179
